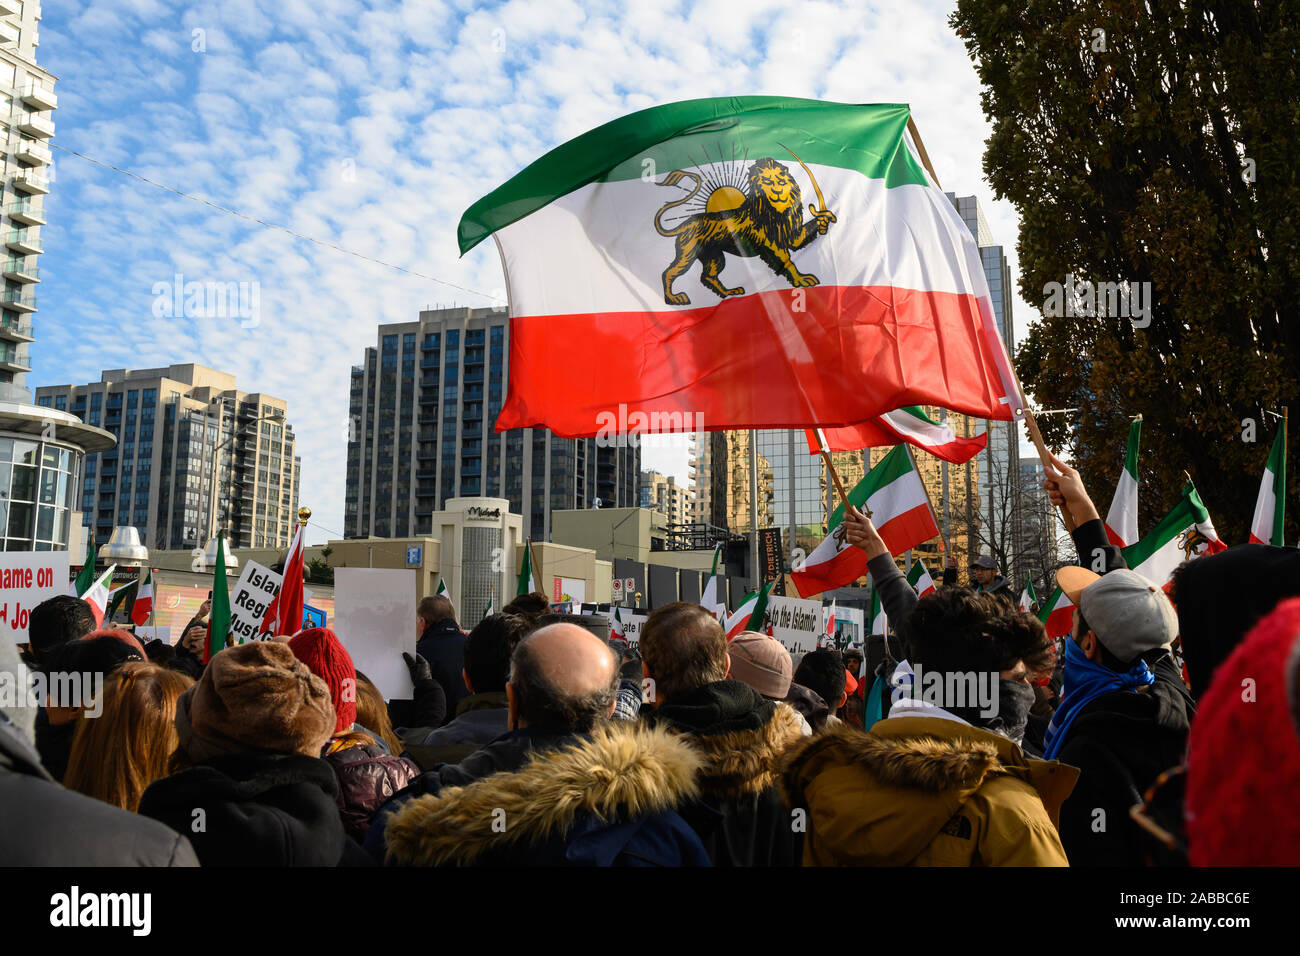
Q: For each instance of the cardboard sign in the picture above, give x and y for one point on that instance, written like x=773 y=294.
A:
x=26 y=579
x=249 y=600
x=796 y=623
x=374 y=617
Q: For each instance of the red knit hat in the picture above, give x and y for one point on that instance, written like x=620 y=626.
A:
x=319 y=648
x=1243 y=759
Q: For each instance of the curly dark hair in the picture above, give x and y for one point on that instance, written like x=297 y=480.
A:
x=959 y=630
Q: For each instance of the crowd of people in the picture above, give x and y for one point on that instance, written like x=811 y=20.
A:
x=970 y=738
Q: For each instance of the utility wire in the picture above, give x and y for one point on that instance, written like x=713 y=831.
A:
x=271 y=225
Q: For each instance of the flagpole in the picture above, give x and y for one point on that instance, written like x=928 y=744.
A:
x=824 y=450
x=537 y=574
x=753 y=507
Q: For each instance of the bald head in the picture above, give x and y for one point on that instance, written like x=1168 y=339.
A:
x=562 y=678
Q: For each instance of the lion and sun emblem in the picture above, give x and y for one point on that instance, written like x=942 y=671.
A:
x=754 y=211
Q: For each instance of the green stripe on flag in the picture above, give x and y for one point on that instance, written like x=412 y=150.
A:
x=1045 y=610
x=1277 y=465
x=890 y=468
x=219 y=619
x=86 y=576
x=865 y=138
x=1134 y=436
x=1189 y=510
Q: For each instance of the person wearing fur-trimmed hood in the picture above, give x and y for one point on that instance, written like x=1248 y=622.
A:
x=740 y=815
x=607 y=796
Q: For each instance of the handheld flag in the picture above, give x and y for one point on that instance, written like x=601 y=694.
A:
x=911 y=425
x=709 y=601
x=1185 y=533
x=749 y=616
x=526 y=570
x=888 y=284
x=1122 y=519
x=97 y=595
x=616 y=629
x=442 y=588
x=86 y=576
x=284 y=614
x=119 y=597
x=920 y=579
x=1057 y=615
x=219 y=617
x=1270 y=506
x=1028 y=599
x=879 y=622
x=142 y=605
x=893 y=496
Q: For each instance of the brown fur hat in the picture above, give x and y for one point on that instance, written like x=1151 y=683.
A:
x=255 y=698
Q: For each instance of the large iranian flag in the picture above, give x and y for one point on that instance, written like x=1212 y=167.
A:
x=740 y=262
x=911 y=425
x=1270 y=506
x=894 y=498
x=1185 y=533
x=1122 y=519
x=1057 y=614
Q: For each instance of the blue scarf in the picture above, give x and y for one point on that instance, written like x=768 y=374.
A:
x=1085 y=681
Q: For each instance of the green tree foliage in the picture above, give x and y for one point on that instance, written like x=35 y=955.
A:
x=1154 y=142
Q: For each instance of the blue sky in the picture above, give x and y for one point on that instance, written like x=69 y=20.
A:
x=373 y=126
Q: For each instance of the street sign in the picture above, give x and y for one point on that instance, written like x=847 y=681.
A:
x=617 y=587
x=413 y=556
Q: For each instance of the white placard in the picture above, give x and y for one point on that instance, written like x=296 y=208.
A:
x=249 y=600
x=26 y=579
x=374 y=617
x=632 y=624
x=160 y=632
x=575 y=588
x=796 y=623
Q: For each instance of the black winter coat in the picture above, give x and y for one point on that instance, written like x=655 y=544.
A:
x=258 y=810
x=42 y=824
x=741 y=816
x=443 y=645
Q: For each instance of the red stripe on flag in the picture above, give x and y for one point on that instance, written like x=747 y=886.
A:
x=845 y=568
x=753 y=363
x=908 y=529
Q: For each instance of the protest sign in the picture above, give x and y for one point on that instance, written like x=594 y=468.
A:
x=26 y=579
x=796 y=623
x=158 y=632
x=248 y=602
x=374 y=617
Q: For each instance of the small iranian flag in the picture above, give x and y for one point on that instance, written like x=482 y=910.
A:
x=1185 y=533
x=616 y=630
x=119 y=597
x=1270 y=506
x=97 y=595
x=709 y=601
x=894 y=498
x=919 y=578
x=1028 y=599
x=751 y=611
x=879 y=621
x=803 y=240
x=442 y=588
x=525 y=585
x=1057 y=615
x=219 y=617
x=488 y=613
x=1122 y=519
x=911 y=425
x=143 y=606
x=86 y=576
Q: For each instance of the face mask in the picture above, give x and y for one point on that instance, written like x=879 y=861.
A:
x=1015 y=698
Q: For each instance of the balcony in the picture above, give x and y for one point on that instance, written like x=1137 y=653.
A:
x=8 y=33
x=24 y=242
x=32 y=153
x=11 y=361
x=16 y=333
x=18 y=301
x=37 y=94
x=10 y=8
x=26 y=212
x=35 y=124
x=22 y=270
x=31 y=182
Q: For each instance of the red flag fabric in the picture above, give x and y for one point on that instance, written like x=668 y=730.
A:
x=284 y=615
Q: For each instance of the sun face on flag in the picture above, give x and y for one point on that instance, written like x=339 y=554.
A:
x=739 y=211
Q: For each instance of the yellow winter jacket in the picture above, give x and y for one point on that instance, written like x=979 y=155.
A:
x=925 y=791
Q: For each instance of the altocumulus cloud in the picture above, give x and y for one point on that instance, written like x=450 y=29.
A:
x=374 y=126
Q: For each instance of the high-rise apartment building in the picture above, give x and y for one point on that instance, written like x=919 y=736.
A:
x=662 y=493
x=27 y=100
x=423 y=409
x=172 y=424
